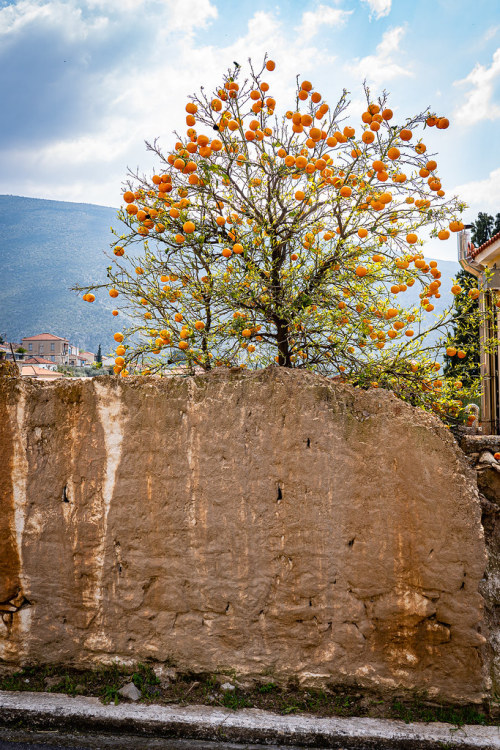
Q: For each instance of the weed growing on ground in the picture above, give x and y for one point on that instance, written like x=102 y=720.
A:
x=194 y=688
x=419 y=711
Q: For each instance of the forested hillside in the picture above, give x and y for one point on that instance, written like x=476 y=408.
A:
x=48 y=246
x=45 y=248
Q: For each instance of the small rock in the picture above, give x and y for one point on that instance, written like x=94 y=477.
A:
x=245 y=684
x=227 y=686
x=51 y=682
x=80 y=689
x=130 y=691
x=165 y=674
x=487 y=458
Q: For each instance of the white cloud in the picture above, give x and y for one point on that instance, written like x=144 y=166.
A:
x=133 y=85
x=379 y=8
x=382 y=66
x=481 y=195
x=490 y=33
x=478 y=102
x=192 y=13
x=315 y=20
x=66 y=16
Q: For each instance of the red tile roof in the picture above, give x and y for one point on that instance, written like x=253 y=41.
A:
x=474 y=251
x=38 y=361
x=44 y=337
x=32 y=371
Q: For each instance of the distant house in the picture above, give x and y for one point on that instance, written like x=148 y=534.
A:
x=40 y=373
x=6 y=351
x=47 y=364
x=87 y=357
x=73 y=357
x=48 y=346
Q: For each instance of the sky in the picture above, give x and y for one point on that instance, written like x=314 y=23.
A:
x=83 y=83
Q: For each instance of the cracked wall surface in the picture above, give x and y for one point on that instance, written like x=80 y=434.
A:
x=272 y=522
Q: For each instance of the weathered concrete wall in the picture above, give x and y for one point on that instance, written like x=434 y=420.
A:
x=274 y=522
x=481 y=451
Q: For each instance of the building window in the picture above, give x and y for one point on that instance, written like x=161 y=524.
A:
x=40 y=348
x=52 y=347
x=52 y=358
x=30 y=347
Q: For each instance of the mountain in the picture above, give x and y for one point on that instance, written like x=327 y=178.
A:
x=46 y=247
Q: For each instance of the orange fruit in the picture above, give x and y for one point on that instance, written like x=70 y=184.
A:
x=270 y=65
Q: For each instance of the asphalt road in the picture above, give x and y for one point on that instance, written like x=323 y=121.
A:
x=11 y=739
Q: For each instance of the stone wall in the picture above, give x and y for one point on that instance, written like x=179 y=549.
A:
x=273 y=522
x=481 y=450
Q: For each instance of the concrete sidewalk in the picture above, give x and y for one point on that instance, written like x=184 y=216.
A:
x=56 y=711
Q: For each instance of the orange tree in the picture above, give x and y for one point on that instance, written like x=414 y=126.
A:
x=284 y=239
